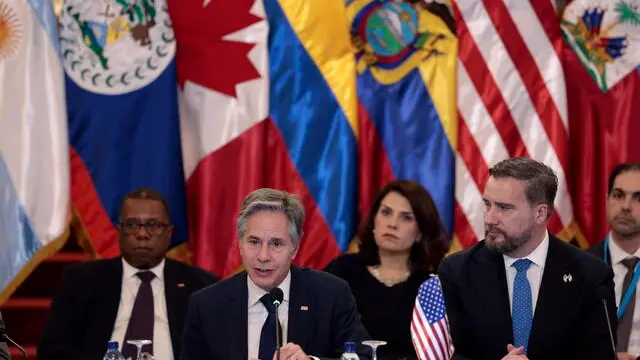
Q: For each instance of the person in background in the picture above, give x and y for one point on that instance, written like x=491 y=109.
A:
x=141 y=295
x=621 y=250
x=401 y=243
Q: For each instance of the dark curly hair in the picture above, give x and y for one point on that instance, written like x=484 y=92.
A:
x=435 y=241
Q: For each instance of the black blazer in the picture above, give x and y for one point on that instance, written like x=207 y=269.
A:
x=322 y=316
x=597 y=250
x=84 y=310
x=569 y=320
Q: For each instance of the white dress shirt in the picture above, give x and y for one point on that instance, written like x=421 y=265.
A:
x=538 y=259
x=162 y=347
x=619 y=272
x=258 y=314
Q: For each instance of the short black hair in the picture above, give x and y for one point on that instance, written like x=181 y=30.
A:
x=146 y=194
x=621 y=169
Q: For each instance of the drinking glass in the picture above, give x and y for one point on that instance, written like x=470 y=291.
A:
x=139 y=344
x=373 y=344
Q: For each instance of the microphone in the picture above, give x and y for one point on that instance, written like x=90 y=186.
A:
x=603 y=293
x=4 y=338
x=277 y=295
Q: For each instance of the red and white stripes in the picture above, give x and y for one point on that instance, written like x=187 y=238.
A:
x=511 y=100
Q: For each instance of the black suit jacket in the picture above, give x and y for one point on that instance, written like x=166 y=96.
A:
x=598 y=251
x=216 y=327
x=569 y=320
x=4 y=350
x=84 y=310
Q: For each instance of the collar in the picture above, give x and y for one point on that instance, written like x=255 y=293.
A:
x=255 y=292
x=129 y=271
x=616 y=252
x=538 y=256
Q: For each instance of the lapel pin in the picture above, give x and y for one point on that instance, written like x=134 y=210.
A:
x=180 y=285
x=304 y=307
x=567 y=278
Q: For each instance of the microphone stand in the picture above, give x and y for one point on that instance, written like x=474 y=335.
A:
x=276 y=304
x=6 y=337
x=606 y=312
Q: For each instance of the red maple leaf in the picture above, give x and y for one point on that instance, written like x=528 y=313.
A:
x=203 y=57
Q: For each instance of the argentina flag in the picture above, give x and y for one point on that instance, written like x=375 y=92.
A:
x=34 y=157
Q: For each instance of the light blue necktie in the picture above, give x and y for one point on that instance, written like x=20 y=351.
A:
x=522 y=312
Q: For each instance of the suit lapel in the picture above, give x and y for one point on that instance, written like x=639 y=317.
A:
x=554 y=296
x=301 y=307
x=109 y=293
x=176 y=295
x=238 y=336
x=489 y=278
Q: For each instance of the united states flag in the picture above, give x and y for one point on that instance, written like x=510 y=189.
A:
x=511 y=101
x=429 y=325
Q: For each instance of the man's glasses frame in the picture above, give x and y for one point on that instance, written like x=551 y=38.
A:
x=153 y=228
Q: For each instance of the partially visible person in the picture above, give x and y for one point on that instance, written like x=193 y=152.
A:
x=621 y=250
x=521 y=293
x=4 y=350
x=140 y=295
x=401 y=242
x=235 y=319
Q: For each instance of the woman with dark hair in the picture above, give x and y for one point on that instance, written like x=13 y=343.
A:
x=401 y=243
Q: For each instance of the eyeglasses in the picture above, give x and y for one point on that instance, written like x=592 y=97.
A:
x=153 y=228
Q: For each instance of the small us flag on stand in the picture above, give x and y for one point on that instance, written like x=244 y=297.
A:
x=429 y=324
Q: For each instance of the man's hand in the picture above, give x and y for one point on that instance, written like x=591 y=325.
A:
x=515 y=353
x=291 y=351
x=625 y=356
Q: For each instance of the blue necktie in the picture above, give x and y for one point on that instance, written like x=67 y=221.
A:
x=522 y=312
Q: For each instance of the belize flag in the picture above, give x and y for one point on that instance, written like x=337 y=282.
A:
x=123 y=112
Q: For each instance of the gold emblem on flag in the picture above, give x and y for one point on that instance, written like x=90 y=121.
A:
x=10 y=31
x=391 y=38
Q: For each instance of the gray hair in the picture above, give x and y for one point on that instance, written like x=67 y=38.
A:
x=272 y=200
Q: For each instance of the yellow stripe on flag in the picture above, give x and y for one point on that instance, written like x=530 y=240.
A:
x=439 y=72
x=321 y=26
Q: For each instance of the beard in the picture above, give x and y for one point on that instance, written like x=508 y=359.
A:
x=510 y=242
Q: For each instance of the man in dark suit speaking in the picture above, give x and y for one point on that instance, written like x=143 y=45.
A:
x=235 y=319
x=521 y=293
x=140 y=296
